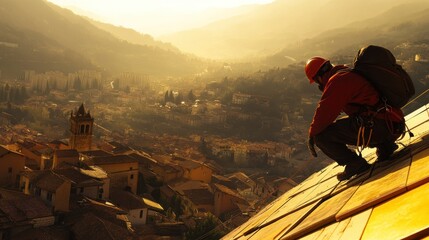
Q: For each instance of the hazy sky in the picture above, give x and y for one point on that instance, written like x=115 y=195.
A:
x=155 y=17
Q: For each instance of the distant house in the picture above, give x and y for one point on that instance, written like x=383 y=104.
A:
x=194 y=170
x=116 y=148
x=197 y=196
x=263 y=189
x=95 y=153
x=165 y=169
x=58 y=145
x=38 y=155
x=250 y=155
x=99 y=221
x=6 y=118
x=83 y=184
x=20 y=212
x=283 y=185
x=227 y=202
x=243 y=182
x=222 y=151
x=57 y=186
x=51 y=187
x=122 y=169
x=101 y=175
x=11 y=164
x=69 y=157
x=223 y=181
x=138 y=209
x=145 y=161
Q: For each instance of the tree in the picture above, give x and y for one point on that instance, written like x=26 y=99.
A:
x=2 y=94
x=191 y=96
x=179 y=98
x=171 y=96
x=176 y=205
x=166 y=97
x=77 y=84
x=87 y=85
x=6 y=92
x=24 y=94
x=207 y=228
x=94 y=84
x=66 y=88
x=47 y=89
x=54 y=84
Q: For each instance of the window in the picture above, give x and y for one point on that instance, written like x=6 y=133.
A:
x=49 y=196
x=37 y=191
x=131 y=176
x=87 y=129
x=100 y=193
x=82 y=129
x=141 y=213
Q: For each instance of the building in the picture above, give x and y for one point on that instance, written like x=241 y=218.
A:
x=99 y=221
x=81 y=126
x=165 y=169
x=227 y=202
x=83 y=184
x=11 y=164
x=19 y=212
x=139 y=210
x=38 y=155
x=100 y=175
x=65 y=158
x=197 y=197
x=122 y=170
x=194 y=170
x=54 y=189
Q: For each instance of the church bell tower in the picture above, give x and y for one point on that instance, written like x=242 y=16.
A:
x=81 y=124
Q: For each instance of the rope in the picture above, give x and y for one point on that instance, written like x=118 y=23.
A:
x=361 y=144
x=414 y=99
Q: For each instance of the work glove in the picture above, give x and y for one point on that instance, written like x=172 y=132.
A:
x=310 y=145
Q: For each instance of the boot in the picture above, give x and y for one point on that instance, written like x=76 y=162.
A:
x=356 y=166
x=385 y=151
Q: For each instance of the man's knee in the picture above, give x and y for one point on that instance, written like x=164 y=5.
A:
x=321 y=140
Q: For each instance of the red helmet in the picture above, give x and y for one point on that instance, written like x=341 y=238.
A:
x=312 y=66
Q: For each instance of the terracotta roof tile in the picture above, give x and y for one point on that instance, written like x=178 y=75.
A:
x=112 y=160
x=67 y=153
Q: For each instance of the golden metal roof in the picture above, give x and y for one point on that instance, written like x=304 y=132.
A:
x=388 y=202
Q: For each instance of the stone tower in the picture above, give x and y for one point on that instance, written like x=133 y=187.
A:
x=81 y=124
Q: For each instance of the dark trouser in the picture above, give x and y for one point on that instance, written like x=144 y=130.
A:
x=334 y=139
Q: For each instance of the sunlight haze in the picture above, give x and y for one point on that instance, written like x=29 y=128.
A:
x=154 y=17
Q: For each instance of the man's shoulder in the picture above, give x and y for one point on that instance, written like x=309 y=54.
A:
x=347 y=74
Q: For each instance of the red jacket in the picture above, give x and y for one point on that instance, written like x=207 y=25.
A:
x=344 y=91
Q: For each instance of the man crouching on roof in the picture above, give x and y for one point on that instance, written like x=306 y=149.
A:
x=368 y=123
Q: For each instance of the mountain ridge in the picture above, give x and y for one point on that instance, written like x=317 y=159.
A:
x=275 y=26
x=72 y=33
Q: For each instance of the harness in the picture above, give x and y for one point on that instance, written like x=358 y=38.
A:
x=365 y=120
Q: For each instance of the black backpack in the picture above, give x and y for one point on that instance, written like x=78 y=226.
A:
x=378 y=65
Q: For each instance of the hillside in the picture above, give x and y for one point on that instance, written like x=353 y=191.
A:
x=132 y=36
x=270 y=28
x=401 y=24
x=41 y=30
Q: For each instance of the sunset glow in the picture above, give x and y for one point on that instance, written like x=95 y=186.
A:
x=150 y=16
